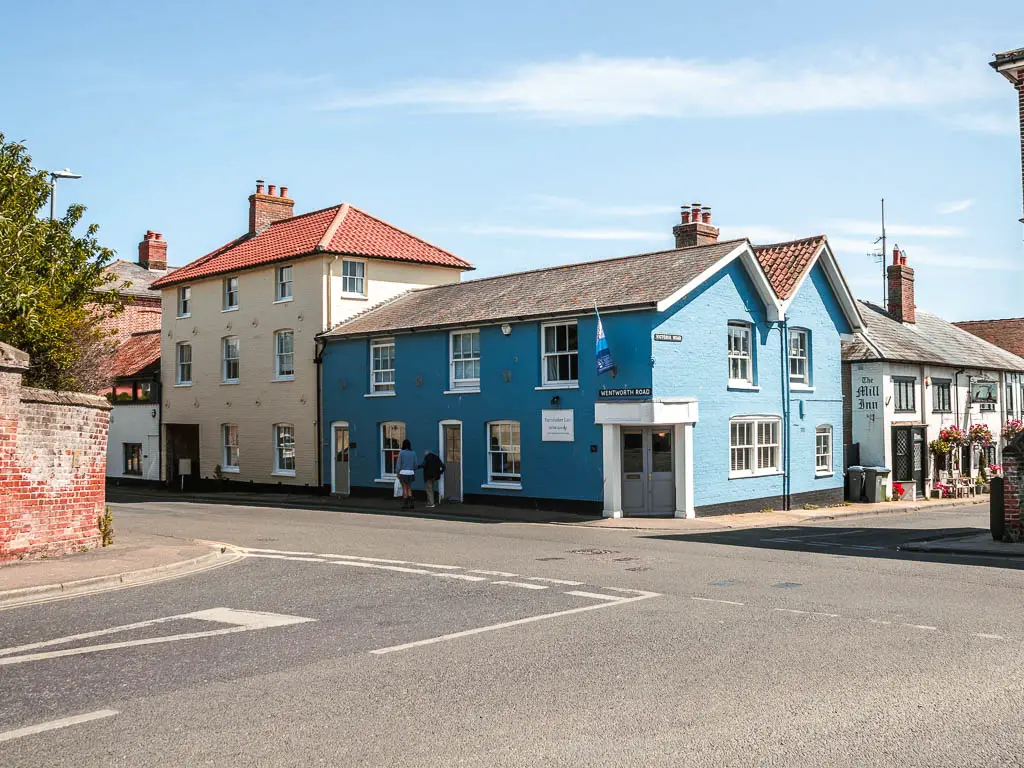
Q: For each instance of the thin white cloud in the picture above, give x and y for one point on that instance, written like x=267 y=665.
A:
x=573 y=205
x=921 y=256
x=566 y=233
x=594 y=88
x=956 y=207
x=995 y=123
x=874 y=229
x=757 y=234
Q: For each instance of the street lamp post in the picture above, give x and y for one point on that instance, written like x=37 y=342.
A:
x=54 y=175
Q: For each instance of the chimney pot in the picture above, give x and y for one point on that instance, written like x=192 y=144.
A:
x=284 y=191
x=706 y=215
x=271 y=189
x=686 y=215
x=259 y=186
x=896 y=255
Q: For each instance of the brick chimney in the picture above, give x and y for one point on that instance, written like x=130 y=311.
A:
x=901 y=288
x=696 y=228
x=153 y=252
x=267 y=207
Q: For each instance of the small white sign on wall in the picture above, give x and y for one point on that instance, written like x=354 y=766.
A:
x=557 y=426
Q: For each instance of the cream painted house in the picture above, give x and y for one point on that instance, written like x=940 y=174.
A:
x=239 y=354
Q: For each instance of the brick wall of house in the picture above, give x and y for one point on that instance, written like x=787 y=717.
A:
x=1008 y=334
x=52 y=465
x=143 y=314
x=1013 y=480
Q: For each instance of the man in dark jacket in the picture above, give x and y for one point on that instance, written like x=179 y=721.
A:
x=433 y=468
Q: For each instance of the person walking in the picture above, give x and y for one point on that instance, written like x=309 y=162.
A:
x=433 y=468
x=405 y=466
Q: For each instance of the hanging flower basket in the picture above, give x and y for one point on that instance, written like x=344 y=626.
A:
x=940 y=447
x=980 y=434
x=953 y=435
x=1012 y=428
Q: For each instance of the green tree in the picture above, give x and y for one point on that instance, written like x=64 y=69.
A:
x=54 y=286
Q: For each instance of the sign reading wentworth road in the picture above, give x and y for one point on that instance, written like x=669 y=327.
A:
x=627 y=392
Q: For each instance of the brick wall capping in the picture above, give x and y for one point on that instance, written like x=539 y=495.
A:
x=52 y=397
x=12 y=359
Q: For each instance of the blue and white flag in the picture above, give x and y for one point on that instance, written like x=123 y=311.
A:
x=604 y=355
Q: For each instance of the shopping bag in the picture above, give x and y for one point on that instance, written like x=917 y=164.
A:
x=398 y=488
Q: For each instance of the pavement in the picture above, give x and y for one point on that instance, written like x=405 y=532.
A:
x=975 y=543
x=383 y=640
x=134 y=558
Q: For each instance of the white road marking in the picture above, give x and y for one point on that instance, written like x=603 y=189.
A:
x=632 y=591
x=713 y=600
x=506 y=625
x=247 y=550
x=377 y=566
x=240 y=621
x=790 y=610
x=461 y=576
x=863 y=546
x=495 y=573
x=565 y=582
x=53 y=725
x=598 y=596
x=287 y=557
x=520 y=584
x=987 y=636
x=919 y=626
x=879 y=621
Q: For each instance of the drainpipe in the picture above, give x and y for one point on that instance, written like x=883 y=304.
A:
x=784 y=354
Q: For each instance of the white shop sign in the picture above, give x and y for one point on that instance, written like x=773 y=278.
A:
x=557 y=426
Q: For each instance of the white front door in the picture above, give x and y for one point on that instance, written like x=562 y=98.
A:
x=648 y=480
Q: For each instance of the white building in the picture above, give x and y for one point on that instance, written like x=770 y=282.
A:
x=910 y=373
x=133 y=442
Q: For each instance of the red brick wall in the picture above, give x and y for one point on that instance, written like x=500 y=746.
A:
x=1008 y=334
x=142 y=314
x=1013 y=474
x=53 y=449
x=901 y=293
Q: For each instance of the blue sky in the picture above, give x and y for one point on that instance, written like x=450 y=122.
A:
x=539 y=133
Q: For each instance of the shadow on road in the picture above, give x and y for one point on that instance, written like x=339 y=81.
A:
x=884 y=543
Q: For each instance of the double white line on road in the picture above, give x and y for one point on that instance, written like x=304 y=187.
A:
x=54 y=725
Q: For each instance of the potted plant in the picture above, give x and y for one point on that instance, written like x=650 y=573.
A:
x=897 y=491
x=979 y=434
x=1012 y=428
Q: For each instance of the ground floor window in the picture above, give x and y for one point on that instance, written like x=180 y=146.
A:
x=133 y=458
x=392 y=433
x=823 y=450
x=284 y=449
x=754 y=446
x=503 y=453
x=230 y=460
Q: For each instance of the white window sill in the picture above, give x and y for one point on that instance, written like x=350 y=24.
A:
x=229 y=309
x=283 y=473
x=800 y=388
x=231 y=470
x=742 y=386
x=502 y=486
x=746 y=475
x=462 y=391
x=185 y=317
x=565 y=385
x=283 y=378
x=355 y=296
x=229 y=382
x=385 y=480
x=284 y=300
x=824 y=474
x=379 y=394
x=184 y=384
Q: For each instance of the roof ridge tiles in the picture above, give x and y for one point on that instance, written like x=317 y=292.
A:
x=993 y=320
x=812 y=238
x=405 y=232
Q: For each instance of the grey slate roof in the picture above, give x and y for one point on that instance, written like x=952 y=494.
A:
x=627 y=281
x=930 y=340
x=140 y=278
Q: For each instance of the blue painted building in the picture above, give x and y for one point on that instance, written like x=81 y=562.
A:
x=726 y=392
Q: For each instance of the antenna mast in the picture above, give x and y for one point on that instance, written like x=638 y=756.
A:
x=881 y=258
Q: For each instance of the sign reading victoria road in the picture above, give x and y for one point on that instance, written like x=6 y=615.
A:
x=676 y=337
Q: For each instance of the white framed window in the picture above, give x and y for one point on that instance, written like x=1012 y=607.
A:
x=1009 y=398
x=464 y=352
x=382 y=365
x=229 y=458
x=183 y=359
x=755 y=446
x=353 y=277
x=503 y=454
x=229 y=367
x=283 y=289
x=799 y=358
x=230 y=293
x=560 y=354
x=284 y=354
x=905 y=390
x=184 y=301
x=392 y=433
x=823 y=450
x=284 y=449
x=741 y=364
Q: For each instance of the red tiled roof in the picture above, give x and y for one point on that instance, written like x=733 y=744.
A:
x=140 y=351
x=339 y=229
x=1008 y=333
x=786 y=263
